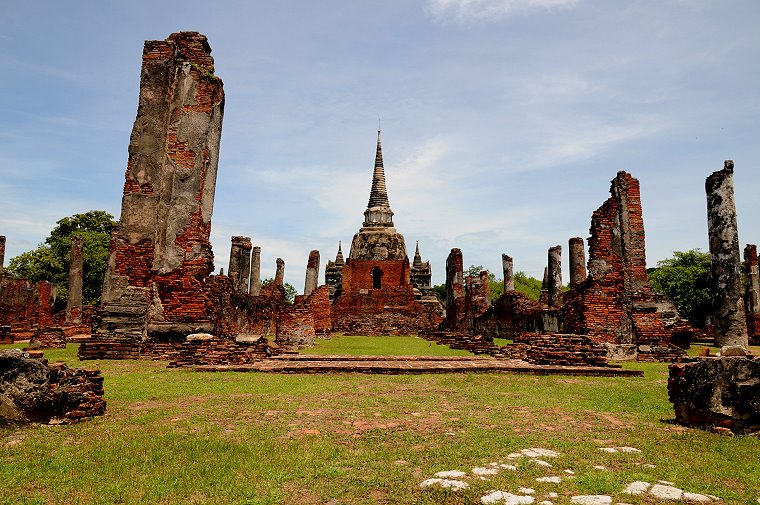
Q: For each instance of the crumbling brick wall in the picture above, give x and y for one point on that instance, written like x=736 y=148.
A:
x=511 y=315
x=51 y=337
x=16 y=303
x=563 y=350
x=318 y=302
x=615 y=303
x=295 y=326
x=161 y=246
x=219 y=351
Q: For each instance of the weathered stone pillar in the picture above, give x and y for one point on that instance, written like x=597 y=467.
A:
x=752 y=291
x=254 y=288
x=577 y=261
x=279 y=276
x=2 y=253
x=509 y=277
x=312 y=273
x=554 y=288
x=76 y=268
x=728 y=317
x=240 y=263
x=455 y=294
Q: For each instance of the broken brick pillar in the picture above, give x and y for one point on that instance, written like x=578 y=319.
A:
x=76 y=267
x=279 y=275
x=160 y=253
x=45 y=301
x=577 y=261
x=554 y=288
x=543 y=298
x=509 y=278
x=312 y=273
x=752 y=292
x=254 y=287
x=728 y=317
x=240 y=263
x=485 y=288
x=456 y=316
x=2 y=252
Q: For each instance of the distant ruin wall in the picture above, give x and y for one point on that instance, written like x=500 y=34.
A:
x=16 y=302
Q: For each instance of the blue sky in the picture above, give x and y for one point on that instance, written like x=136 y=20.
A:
x=503 y=121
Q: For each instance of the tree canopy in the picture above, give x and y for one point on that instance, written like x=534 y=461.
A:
x=685 y=279
x=290 y=290
x=50 y=261
x=528 y=286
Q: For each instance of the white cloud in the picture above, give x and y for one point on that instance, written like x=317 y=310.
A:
x=468 y=10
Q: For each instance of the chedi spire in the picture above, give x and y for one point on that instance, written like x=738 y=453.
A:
x=378 y=211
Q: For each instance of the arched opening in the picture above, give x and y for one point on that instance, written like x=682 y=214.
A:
x=377 y=278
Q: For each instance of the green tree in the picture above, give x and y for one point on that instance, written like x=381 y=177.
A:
x=50 y=261
x=685 y=279
x=290 y=291
x=528 y=286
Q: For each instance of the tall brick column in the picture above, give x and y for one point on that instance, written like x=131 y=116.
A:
x=577 y=261
x=509 y=278
x=554 y=288
x=279 y=275
x=728 y=315
x=2 y=253
x=45 y=299
x=240 y=262
x=76 y=268
x=312 y=273
x=456 y=316
x=752 y=292
x=161 y=253
x=254 y=288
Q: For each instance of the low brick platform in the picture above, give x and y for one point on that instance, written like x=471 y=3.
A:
x=393 y=365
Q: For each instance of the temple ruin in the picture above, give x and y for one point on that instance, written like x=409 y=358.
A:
x=376 y=294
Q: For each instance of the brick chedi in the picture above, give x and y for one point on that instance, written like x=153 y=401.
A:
x=615 y=303
x=377 y=296
x=752 y=293
x=160 y=253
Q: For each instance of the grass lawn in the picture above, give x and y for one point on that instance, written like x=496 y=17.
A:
x=174 y=436
x=381 y=346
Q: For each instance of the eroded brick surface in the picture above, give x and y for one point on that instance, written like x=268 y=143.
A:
x=615 y=303
x=161 y=246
